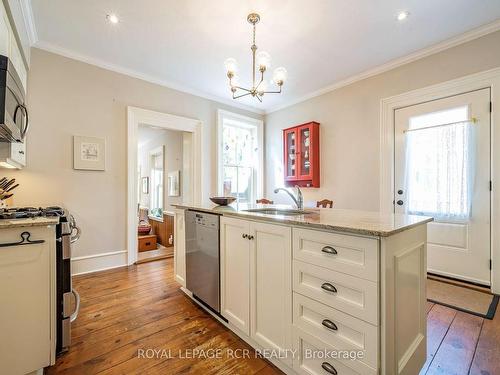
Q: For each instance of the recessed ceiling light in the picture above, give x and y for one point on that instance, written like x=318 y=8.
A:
x=401 y=16
x=113 y=18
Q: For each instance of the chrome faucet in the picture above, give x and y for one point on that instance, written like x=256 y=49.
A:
x=299 y=200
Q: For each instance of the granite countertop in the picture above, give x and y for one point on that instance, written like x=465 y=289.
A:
x=29 y=222
x=352 y=221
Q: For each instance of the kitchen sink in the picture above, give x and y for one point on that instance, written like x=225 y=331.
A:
x=278 y=211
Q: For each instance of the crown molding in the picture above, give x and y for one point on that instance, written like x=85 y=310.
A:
x=449 y=43
x=29 y=21
x=139 y=75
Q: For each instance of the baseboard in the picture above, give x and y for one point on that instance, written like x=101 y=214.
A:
x=98 y=262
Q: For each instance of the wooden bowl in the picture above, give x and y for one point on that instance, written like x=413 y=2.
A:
x=223 y=201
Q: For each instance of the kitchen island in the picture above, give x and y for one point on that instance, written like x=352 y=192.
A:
x=324 y=291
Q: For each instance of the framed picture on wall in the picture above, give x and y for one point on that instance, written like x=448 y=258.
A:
x=89 y=153
x=173 y=183
x=145 y=185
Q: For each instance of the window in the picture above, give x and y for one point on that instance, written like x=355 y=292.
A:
x=240 y=157
x=156 y=182
x=439 y=165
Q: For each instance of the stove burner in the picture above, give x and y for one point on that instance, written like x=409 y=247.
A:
x=30 y=212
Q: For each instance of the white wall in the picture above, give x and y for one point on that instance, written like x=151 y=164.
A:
x=68 y=97
x=172 y=141
x=350 y=125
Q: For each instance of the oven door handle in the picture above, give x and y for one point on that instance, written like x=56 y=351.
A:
x=74 y=315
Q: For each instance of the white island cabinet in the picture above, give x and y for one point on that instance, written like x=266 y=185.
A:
x=328 y=292
x=27 y=298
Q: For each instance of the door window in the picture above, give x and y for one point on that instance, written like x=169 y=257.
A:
x=439 y=164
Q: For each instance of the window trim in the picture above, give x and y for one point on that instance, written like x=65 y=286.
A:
x=157 y=151
x=222 y=116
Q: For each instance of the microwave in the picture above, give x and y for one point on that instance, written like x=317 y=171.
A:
x=13 y=111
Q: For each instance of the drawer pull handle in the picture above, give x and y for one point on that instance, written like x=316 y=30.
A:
x=244 y=235
x=329 y=287
x=329 y=324
x=329 y=250
x=329 y=368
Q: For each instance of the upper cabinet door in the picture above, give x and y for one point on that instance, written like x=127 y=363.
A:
x=4 y=33
x=291 y=152
x=235 y=272
x=305 y=165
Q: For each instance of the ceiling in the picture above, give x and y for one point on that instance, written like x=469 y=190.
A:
x=183 y=44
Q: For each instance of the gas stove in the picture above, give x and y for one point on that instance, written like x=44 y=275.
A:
x=30 y=212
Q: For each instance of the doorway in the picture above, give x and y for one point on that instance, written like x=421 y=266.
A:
x=191 y=167
x=442 y=168
x=162 y=166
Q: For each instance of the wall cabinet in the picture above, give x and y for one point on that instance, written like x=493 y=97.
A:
x=256 y=290
x=10 y=48
x=301 y=155
x=179 y=247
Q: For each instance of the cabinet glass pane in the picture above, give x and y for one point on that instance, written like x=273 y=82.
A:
x=305 y=143
x=290 y=154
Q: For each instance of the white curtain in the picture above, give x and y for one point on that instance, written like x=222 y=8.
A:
x=440 y=171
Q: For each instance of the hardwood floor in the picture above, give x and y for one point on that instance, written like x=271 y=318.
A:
x=126 y=311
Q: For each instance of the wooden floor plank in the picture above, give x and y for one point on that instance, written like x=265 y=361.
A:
x=487 y=357
x=455 y=354
x=439 y=320
x=429 y=306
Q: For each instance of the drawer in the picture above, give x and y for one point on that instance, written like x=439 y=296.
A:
x=147 y=243
x=349 y=294
x=355 y=256
x=312 y=356
x=346 y=332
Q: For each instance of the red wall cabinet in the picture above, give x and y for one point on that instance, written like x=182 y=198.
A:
x=301 y=155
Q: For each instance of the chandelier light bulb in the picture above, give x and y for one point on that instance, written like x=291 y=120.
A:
x=279 y=75
x=235 y=80
x=231 y=65
x=263 y=59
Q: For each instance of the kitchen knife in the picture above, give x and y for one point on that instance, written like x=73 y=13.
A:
x=10 y=183
x=12 y=187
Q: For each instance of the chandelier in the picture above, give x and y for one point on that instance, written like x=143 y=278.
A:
x=261 y=61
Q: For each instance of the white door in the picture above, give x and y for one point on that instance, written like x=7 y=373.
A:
x=235 y=272
x=442 y=169
x=271 y=286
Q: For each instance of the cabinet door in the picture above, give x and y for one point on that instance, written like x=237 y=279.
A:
x=304 y=156
x=4 y=33
x=179 y=248
x=235 y=272
x=27 y=287
x=271 y=286
x=290 y=153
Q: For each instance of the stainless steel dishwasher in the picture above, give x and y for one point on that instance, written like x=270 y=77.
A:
x=202 y=257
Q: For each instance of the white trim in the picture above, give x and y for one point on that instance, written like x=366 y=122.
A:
x=135 y=117
x=29 y=21
x=449 y=43
x=491 y=79
x=259 y=124
x=98 y=262
x=40 y=44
